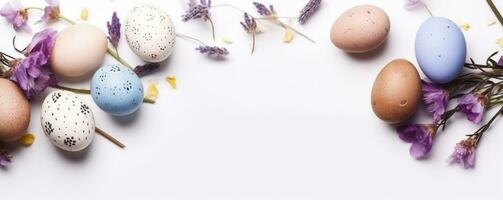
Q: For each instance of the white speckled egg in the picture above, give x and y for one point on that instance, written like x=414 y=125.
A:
x=67 y=121
x=150 y=33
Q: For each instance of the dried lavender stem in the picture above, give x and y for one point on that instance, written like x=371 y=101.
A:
x=253 y=42
x=181 y=35
x=212 y=27
x=109 y=137
x=495 y=11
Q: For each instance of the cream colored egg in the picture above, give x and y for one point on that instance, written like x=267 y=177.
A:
x=14 y=111
x=360 y=29
x=150 y=33
x=78 y=51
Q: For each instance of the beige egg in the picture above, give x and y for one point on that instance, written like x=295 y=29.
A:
x=396 y=92
x=14 y=111
x=78 y=51
x=360 y=29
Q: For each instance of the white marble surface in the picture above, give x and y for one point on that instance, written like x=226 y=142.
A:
x=290 y=122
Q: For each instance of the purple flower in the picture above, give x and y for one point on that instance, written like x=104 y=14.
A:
x=309 y=10
x=15 y=14
x=5 y=158
x=435 y=99
x=114 y=30
x=409 y=4
x=464 y=153
x=473 y=106
x=32 y=74
x=500 y=61
x=51 y=11
x=263 y=10
x=216 y=52
x=249 y=24
x=421 y=137
x=197 y=11
x=149 y=68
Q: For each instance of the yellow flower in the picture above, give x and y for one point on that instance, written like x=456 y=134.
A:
x=84 y=14
x=27 y=139
x=171 y=79
x=152 y=92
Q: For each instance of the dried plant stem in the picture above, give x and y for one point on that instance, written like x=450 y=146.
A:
x=495 y=11
x=86 y=91
x=181 y=35
x=109 y=137
x=254 y=35
x=286 y=26
x=212 y=27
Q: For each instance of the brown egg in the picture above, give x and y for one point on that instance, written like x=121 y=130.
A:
x=396 y=92
x=360 y=29
x=78 y=50
x=14 y=111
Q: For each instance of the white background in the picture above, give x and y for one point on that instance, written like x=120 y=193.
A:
x=293 y=121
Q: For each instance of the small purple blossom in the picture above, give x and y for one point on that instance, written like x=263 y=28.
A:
x=420 y=136
x=114 y=30
x=197 y=11
x=409 y=4
x=15 y=14
x=500 y=61
x=33 y=74
x=216 y=52
x=309 y=10
x=473 y=106
x=51 y=11
x=249 y=24
x=263 y=10
x=464 y=153
x=5 y=158
x=435 y=99
x=146 y=69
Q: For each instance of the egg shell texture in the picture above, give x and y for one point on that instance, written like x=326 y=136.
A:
x=78 y=50
x=67 y=121
x=360 y=29
x=14 y=111
x=396 y=92
x=150 y=33
x=117 y=90
x=440 y=49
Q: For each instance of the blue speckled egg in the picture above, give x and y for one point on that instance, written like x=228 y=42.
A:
x=440 y=49
x=117 y=90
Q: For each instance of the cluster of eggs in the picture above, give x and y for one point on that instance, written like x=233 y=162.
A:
x=78 y=53
x=440 y=49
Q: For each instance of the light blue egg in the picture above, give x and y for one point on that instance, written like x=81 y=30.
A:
x=117 y=90
x=440 y=49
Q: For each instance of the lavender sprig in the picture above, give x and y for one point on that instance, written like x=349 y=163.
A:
x=309 y=10
x=250 y=26
x=146 y=69
x=199 y=11
x=114 y=30
x=213 y=51
x=263 y=10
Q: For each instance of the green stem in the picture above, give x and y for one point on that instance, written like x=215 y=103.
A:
x=212 y=27
x=495 y=11
x=115 y=54
x=286 y=26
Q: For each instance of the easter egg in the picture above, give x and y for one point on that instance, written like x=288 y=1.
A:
x=360 y=29
x=67 y=121
x=396 y=92
x=440 y=49
x=78 y=50
x=150 y=33
x=14 y=111
x=117 y=90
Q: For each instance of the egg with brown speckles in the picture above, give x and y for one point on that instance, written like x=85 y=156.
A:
x=78 y=50
x=14 y=111
x=396 y=92
x=150 y=33
x=360 y=29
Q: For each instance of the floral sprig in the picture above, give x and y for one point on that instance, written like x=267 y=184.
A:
x=308 y=11
x=199 y=10
x=250 y=26
x=16 y=14
x=114 y=30
x=211 y=51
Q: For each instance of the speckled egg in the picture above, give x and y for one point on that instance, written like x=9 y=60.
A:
x=67 y=121
x=396 y=92
x=78 y=50
x=150 y=33
x=117 y=90
x=14 y=111
x=360 y=29
x=440 y=49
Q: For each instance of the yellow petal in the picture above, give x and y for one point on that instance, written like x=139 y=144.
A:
x=171 y=79
x=499 y=41
x=288 y=37
x=152 y=92
x=227 y=40
x=27 y=139
x=465 y=26
x=84 y=14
